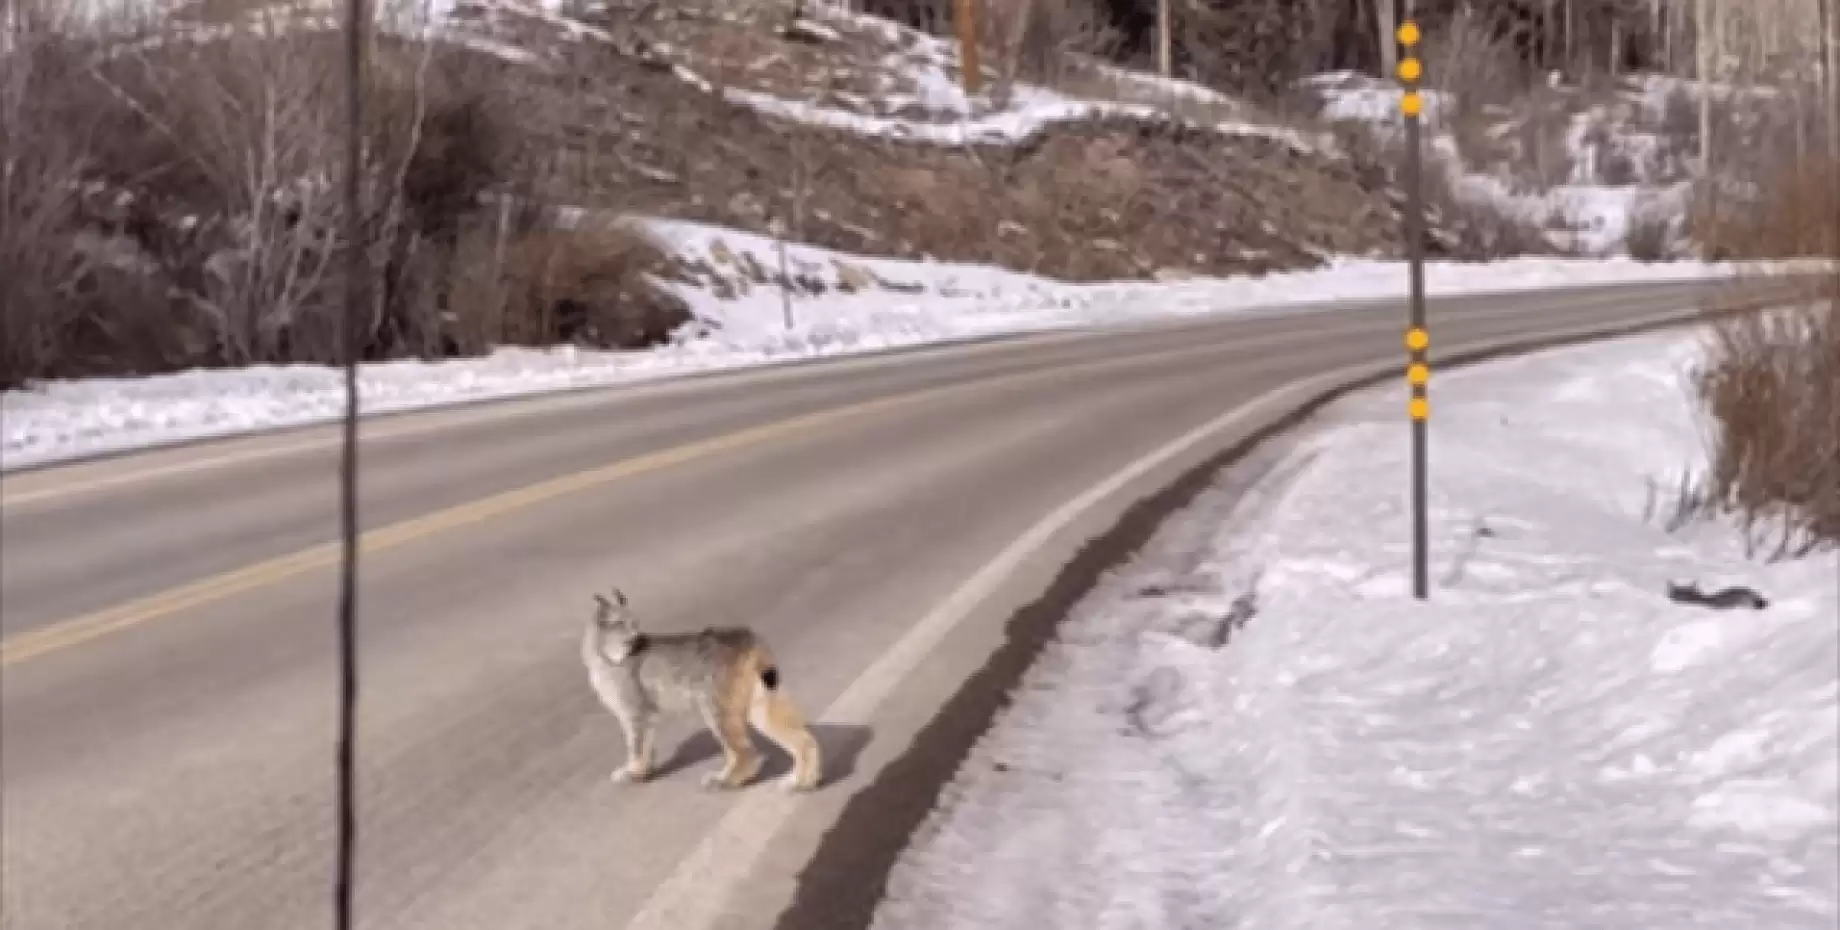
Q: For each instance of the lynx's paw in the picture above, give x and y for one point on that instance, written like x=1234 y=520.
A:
x=715 y=782
x=625 y=775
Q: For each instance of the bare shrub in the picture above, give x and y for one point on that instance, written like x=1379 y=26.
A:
x=441 y=141
x=1257 y=51
x=1680 y=117
x=1474 y=64
x=1458 y=227
x=1771 y=381
x=1043 y=41
x=1791 y=215
x=1617 y=168
x=205 y=231
x=75 y=296
x=1478 y=231
x=229 y=150
x=40 y=173
x=1651 y=235
x=1771 y=385
x=1546 y=158
x=589 y=286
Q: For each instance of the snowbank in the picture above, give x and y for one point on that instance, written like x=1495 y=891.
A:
x=917 y=303
x=1549 y=742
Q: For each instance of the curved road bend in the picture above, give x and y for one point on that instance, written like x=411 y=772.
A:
x=166 y=711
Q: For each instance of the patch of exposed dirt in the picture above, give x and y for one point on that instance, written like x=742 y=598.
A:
x=1104 y=198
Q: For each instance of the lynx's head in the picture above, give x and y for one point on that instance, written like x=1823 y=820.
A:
x=614 y=631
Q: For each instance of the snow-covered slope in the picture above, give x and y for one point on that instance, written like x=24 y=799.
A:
x=1254 y=725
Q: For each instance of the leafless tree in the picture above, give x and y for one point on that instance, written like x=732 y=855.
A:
x=41 y=161
x=244 y=126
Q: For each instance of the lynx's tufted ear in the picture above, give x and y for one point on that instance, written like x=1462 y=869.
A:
x=613 y=613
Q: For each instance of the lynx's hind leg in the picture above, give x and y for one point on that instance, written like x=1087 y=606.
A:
x=727 y=722
x=772 y=713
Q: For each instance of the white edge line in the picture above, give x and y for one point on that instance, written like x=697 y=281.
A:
x=695 y=895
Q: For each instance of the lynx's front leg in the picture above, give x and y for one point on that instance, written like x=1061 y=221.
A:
x=638 y=730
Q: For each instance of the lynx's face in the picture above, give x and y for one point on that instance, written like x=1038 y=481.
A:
x=614 y=629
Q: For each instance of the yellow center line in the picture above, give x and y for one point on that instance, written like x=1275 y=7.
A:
x=67 y=633
x=77 y=630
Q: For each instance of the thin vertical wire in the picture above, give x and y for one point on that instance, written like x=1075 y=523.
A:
x=350 y=330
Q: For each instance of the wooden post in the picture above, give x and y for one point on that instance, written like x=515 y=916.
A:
x=1164 y=58
x=1703 y=46
x=1616 y=47
x=1830 y=44
x=1571 y=37
x=965 y=17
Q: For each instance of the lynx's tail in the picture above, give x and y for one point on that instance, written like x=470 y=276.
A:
x=772 y=712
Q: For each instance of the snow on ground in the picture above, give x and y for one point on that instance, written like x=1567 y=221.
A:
x=1351 y=95
x=915 y=303
x=1161 y=86
x=1549 y=742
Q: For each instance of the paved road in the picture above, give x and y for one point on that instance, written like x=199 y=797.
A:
x=167 y=716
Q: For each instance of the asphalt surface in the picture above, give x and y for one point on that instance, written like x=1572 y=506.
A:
x=166 y=710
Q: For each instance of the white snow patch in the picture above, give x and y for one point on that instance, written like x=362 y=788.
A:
x=1686 y=646
x=497 y=49
x=1165 y=86
x=815 y=29
x=1547 y=743
x=1768 y=808
x=1347 y=95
